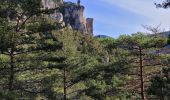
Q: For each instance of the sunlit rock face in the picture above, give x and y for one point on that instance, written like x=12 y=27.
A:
x=89 y=25
x=58 y=17
x=72 y=15
x=51 y=3
x=48 y=4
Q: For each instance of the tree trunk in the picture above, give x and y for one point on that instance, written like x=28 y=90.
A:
x=141 y=74
x=64 y=79
x=11 y=77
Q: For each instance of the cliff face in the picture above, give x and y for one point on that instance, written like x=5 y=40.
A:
x=73 y=16
x=51 y=3
x=48 y=4
x=89 y=25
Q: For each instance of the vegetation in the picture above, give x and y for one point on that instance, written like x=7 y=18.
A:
x=165 y=4
x=160 y=84
x=39 y=60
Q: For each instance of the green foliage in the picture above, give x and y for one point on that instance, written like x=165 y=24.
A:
x=21 y=48
x=109 y=43
x=8 y=96
x=142 y=40
x=143 y=53
x=160 y=84
x=38 y=60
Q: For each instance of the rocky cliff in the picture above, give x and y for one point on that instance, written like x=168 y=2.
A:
x=89 y=25
x=71 y=16
x=51 y=3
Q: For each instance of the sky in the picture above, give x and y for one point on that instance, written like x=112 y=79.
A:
x=116 y=17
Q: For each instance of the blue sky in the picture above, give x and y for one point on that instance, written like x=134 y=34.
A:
x=116 y=17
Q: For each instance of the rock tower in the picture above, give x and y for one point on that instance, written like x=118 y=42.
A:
x=72 y=15
x=89 y=25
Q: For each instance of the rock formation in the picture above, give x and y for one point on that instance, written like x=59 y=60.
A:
x=51 y=3
x=72 y=15
x=89 y=25
x=48 y=4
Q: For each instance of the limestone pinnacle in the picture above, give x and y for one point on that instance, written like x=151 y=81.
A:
x=78 y=2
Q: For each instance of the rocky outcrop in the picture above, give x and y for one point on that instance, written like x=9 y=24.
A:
x=49 y=4
x=72 y=16
x=89 y=25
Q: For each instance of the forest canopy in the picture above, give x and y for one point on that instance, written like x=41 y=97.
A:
x=40 y=60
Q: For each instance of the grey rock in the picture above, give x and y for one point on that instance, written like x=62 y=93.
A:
x=73 y=16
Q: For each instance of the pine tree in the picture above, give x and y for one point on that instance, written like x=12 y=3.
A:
x=78 y=66
x=21 y=44
x=142 y=48
x=160 y=84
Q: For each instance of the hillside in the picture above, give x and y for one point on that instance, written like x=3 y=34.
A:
x=48 y=52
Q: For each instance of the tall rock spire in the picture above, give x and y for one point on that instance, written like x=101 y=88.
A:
x=78 y=2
